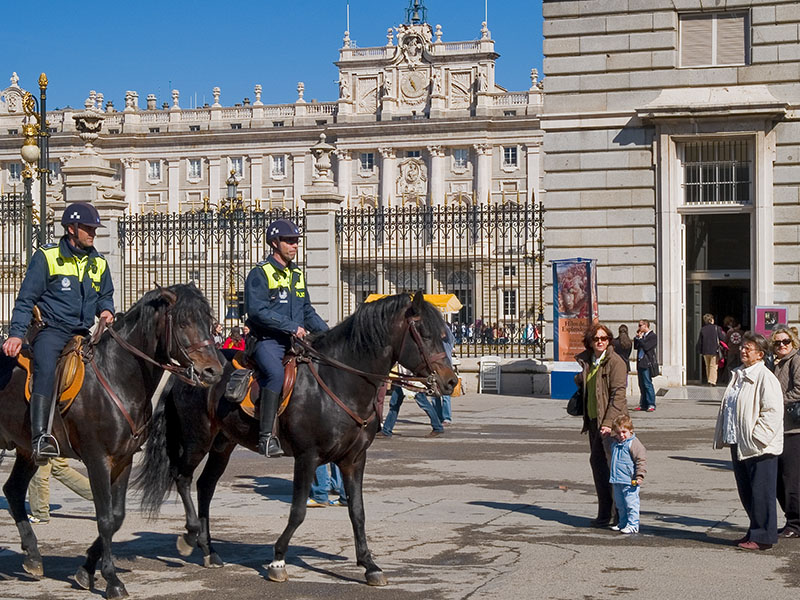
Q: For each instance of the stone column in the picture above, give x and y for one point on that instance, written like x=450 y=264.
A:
x=344 y=173
x=132 y=183
x=437 y=175
x=298 y=178
x=173 y=180
x=388 y=176
x=256 y=178
x=214 y=180
x=483 y=184
x=322 y=202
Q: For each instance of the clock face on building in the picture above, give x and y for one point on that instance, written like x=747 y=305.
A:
x=414 y=84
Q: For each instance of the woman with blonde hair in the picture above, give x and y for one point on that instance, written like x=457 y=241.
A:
x=787 y=369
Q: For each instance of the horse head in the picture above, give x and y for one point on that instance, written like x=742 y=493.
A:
x=422 y=348
x=183 y=327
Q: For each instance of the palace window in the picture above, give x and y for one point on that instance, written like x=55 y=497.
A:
x=155 y=130
x=509 y=303
x=195 y=169
x=413 y=154
x=278 y=165
x=13 y=132
x=236 y=164
x=14 y=172
x=236 y=125
x=717 y=171
x=510 y=157
x=153 y=171
x=460 y=158
x=194 y=127
x=366 y=162
x=715 y=39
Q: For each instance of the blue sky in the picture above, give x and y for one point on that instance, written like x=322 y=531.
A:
x=156 y=46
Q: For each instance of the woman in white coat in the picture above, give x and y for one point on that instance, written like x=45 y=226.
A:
x=750 y=421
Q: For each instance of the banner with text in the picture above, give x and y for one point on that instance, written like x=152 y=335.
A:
x=574 y=304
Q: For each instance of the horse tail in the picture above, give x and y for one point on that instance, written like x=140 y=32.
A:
x=155 y=477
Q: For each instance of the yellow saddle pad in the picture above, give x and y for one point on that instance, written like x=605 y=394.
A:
x=70 y=372
x=250 y=403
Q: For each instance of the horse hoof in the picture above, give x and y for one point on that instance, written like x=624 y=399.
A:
x=376 y=578
x=184 y=547
x=116 y=591
x=33 y=567
x=277 y=574
x=212 y=561
x=83 y=579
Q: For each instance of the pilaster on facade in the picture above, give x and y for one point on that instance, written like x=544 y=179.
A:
x=388 y=175
x=131 y=182
x=437 y=175
x=298 y=177
x=173 y=180
x=214 y=180
x=256 y=177
x=483 y=178
x=344 y=173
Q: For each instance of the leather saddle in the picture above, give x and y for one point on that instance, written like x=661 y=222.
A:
x=243 y=388
x=70 y=371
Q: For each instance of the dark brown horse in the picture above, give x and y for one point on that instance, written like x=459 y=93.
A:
x=314 y=429
x=168 y=325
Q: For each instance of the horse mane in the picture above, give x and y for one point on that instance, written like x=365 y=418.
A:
x=190 y=304
x=367 y=330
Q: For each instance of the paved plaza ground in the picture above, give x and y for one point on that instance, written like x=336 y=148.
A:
x=497 y=508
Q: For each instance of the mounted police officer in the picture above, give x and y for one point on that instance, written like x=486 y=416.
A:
x=277 y=305
x=71 y=284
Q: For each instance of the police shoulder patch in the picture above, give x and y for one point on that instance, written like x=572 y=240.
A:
x=50 y=245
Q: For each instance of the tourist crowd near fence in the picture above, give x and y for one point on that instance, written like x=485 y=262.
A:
x=489 y=257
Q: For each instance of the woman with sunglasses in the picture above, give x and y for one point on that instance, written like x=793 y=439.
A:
x=603 y=380
x=787 y=370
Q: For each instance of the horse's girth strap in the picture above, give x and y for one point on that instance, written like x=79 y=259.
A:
x=361 y=422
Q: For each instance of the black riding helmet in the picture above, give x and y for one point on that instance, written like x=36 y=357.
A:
x=81 y=213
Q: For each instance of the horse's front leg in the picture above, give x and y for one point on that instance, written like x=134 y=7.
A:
x=109 y=502
x=206 y=484
x=353 y=476
x=14 y=490
x=304 y=467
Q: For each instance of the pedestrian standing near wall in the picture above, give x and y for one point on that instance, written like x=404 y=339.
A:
x=708 y=345
x=645 y=343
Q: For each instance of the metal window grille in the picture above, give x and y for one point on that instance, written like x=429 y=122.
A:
x=717 y=172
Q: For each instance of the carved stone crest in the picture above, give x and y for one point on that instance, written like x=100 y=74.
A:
x=412 y=181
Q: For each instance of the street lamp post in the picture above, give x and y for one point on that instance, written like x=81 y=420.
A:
x=233 y=208
x=35 y=150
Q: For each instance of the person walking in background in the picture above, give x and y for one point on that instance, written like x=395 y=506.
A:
x=603 y=381
x=325 y=483
x=750 y=422
x=628 y=468
x=787 y=370
x=396 y=401
x=623 y=345
x=708 y=346
x=235 y=341
x=218 y=339
x=733 y=339
x=645 y=343
x=442 y=403
x=39 y=487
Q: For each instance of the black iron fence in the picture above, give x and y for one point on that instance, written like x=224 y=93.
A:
x=14 y=247
x=489 y=257
x=215 y=249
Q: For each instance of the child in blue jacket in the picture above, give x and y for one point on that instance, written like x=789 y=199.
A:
x=628 y=468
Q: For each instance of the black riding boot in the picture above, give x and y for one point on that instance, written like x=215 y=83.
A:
x=44 y=445
x=268 y=444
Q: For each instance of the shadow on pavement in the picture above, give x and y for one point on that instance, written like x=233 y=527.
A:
x=711 y=463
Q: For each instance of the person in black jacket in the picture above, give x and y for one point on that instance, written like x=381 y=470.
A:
x=708 y=346
x=623 y=345
x=70 y=283
x=645 y=344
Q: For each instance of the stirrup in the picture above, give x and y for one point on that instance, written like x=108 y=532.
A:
x=270 y=447
x=46 y=447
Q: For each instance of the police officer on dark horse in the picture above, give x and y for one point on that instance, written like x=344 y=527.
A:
x=70 y=283
x=278 y=307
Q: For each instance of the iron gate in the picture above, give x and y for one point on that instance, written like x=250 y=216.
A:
x=490 y=257
x=13 y=250
x=215 y=249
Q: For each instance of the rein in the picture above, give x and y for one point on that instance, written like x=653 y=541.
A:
x=405 y=381
x=173 y=369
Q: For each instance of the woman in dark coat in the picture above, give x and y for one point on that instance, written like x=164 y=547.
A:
x=623 y=345
x=603 y=379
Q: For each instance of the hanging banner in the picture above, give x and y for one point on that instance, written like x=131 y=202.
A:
x=574 y=304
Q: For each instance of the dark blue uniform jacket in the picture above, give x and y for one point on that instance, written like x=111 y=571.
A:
x=277 y=303
x=70 y=288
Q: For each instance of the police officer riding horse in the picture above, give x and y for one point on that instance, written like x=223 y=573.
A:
x=278 y=307
x=70 y=283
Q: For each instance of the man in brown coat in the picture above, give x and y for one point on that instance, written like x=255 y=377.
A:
x=603 y=379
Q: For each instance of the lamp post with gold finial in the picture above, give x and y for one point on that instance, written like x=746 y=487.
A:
x=35 y=149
